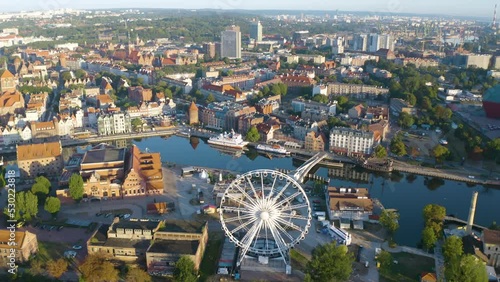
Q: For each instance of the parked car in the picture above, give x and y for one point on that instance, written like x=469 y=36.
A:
x=77 y=247
x=108 y=215
x=59 y=228
x=127 y=215
x=98 y=214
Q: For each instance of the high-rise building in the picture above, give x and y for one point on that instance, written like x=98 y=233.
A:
x=256 y=31
x=380 y=41
x=360 y=42
x=373 y=42
x=231 y=43
x=338 y=45
x=209 y=49
x=386 y=42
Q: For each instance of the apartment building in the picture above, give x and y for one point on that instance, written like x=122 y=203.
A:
x=351 y=142
x=117 y=123
x=40 y=159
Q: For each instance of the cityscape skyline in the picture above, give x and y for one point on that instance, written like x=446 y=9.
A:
x=446 y=7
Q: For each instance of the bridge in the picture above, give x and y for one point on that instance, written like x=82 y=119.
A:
x=301 y=172
x=464 y=222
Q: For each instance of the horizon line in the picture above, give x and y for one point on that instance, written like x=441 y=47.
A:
x=257 y=9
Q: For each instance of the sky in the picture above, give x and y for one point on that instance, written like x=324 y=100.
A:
x=476 y=8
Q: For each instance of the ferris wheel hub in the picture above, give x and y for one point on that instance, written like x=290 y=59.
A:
x=264 y=215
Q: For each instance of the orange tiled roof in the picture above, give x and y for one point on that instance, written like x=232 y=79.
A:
x=39 y=151
x=6 y=74
x=8 y=99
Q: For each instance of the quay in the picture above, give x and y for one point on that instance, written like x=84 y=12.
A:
x=98 y=139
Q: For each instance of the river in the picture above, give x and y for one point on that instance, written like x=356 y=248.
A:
x=406 y=193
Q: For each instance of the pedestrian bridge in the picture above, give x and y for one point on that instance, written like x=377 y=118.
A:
x=301 y=172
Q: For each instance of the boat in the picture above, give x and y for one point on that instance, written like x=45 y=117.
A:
x=231 y=140
x=273 y=149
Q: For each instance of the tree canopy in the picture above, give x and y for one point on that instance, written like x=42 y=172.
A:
x=389 y=220
x=76 y=187
x=253 y=134
x=433 y=219
x=97 y=268
x=52 y=205
x=330 y=262
x=429 y=238
x=460 y=267
x=380 y=152
x=56 y=268
x=184 y=270
x=137 y=275
x=440 y=152
x=398 y=146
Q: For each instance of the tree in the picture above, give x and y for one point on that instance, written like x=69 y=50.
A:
x=276 y=89
x=453 y=248
x=36 y=266
x=52 y=205
x=136 y=123
x=184 y=270
x=389 y=220
x=210 y=99
x=380 y=152
x=57 y=268
x=440 y=152
x=321 y=99
x=471 y=270
x=253 y=135
x=433 y=217
x=76 y=187
x=426 y=103
x=429 y=238
x=65 y=76
x=385 y=260
x=398 y=147
x=96 y=268
x=40 y=191
x=330 y=262
x=29 y=208
x=137 y=275
x=442 y=114
x=405 y=120
x=44 y=181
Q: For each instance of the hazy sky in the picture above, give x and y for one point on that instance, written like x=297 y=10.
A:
x=446 y=7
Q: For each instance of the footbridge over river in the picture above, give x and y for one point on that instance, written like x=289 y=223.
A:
x=302 y=172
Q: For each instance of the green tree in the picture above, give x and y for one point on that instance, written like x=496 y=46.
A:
x=429 y=238
x=405 y=120
x=385 y=261
x=276 y=89
x=76 y=187
x=26 y=205
x=97 y=268
x=80 y=74
x=56 y=268
x=426 y=103
x=210 y=99
x=380 y=152
x=253 y=135
x=137 y=275
x=321 y=99
x=136 y=123
x=330 y=262
x=453 y=248
x=389 y=220
x=184 y=270
x=433 y=217
x=40 y=191
x=66 y=76
x=442 y=114
x=52 y=205
x=398 y=147
x=283 y=89
x=44 y=181
x=467 y=268
x=440 y=153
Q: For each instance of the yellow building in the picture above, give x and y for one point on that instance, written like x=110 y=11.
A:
x=314 y=141
x=26 y=244
x=40 y=159
x=193 y=114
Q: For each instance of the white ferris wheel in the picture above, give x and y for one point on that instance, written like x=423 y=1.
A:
x=265 y=213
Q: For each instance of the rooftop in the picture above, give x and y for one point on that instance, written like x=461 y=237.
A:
x=183 y=226
x=175 y=246
x=104 y=156
x=492 y=95
x=39 y=151
x=491 y=236
x=144 y=225
x=5 y=235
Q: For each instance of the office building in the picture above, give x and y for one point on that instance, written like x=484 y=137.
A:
x=338 y=46
x=256 y=31
x=360 y=42
x=40 y=159
x=231 y=43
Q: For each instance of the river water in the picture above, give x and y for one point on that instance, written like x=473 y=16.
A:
x=406 y=193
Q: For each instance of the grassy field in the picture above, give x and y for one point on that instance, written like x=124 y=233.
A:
x=51 y=250
x=456 y=146
x=408 y=268
x=299 y=261
x=212 y=252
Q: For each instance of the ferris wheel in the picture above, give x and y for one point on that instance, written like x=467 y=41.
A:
x=265 y=213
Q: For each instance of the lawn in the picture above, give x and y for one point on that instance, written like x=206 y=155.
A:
x=408 y=268
x=456 y=146
x=52 y=250
x=209 y=262
x=299 y=261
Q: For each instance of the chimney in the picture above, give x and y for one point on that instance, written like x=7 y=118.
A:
x=472 y=211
